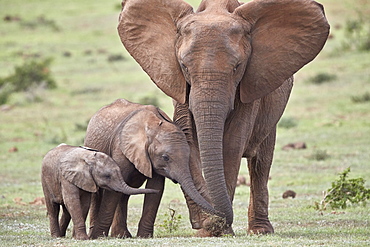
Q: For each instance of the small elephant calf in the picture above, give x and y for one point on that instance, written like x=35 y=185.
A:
x=69 y=175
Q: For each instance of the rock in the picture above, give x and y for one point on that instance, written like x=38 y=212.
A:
x=13 y=150
x=296 y=145
x=289 y=193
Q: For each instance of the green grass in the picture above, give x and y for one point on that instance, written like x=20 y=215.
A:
x=325 y=118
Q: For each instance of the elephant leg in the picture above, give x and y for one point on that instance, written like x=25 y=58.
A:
x=53 y=212
x=72 y=197
x=259 y=170
x=105 y=215
x=95 y=202
x=85 y=204
x=64 y=221
x=150 y=207
x=119 y=225
x=231 y=170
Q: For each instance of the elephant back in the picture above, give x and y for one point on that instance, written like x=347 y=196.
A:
x=103 y=124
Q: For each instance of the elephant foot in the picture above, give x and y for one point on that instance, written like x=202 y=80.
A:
x=144 y=234
x=121 y=234
x=81 y=236
x=214 y=226
x=196 y=225
x=57 y=235
x=203 y=233
x=94 y=234
x=261 y=228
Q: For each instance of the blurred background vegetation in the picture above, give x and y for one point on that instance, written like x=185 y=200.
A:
x=60 y=61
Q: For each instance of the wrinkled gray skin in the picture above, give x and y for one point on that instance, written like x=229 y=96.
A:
x=147 y=146
x=229 y=68
x=69 y=175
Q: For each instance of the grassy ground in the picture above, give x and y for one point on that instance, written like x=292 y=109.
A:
x=81 y=39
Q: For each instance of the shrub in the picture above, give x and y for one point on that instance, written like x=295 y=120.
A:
x=344 y=191
x=361 y=98
x=172 y=221
x=5 y=91
x=319 y=155
x=30 y=76
x=321 y=78
x=115 y=58
x=357 y=32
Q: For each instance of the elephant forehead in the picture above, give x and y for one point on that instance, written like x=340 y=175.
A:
x=202 y=25
x=217 y=37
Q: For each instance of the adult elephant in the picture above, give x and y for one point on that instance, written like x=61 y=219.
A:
x=229 y=67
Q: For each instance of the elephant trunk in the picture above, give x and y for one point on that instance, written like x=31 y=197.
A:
x=125 y=189
x=188 y=187
x=209 y=116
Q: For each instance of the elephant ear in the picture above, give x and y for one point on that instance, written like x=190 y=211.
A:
x=134 y=144
x=148 y=31
x=75 y=168
x=285 y=35
x=163 y=115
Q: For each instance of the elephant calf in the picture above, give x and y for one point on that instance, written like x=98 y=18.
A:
x=147 y=146
x=69 y=176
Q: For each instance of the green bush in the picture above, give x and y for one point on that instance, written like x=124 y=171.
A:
x=31 y=75
x=357 y=32
x=321 y=78
x=5 y=92
x=344 y=191
x=172 y=221
x=115 y=58
x=361 y=98
x=319 y=155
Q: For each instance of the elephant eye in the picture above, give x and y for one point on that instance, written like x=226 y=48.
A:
x=183 y=66
x=165 y=157
x=236 y=67
x=107 y=176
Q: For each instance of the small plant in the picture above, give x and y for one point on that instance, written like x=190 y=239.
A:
x=172 y=221
x=361 y=98
x=344 y=191
x=287 y=123
x=321 y=78
x=319 y=155
x=27 y=77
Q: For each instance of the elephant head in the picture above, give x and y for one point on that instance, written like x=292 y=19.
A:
x=222 y=52
x=89 y=169
x=153 y=143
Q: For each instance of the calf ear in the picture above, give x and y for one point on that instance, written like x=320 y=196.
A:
x=134 y=144
x=285 y=35
x=75 y=168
